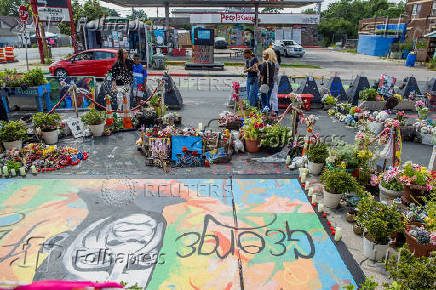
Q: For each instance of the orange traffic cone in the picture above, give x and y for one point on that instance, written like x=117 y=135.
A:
x=127 y=120
x=109 y=113
x=9 y=52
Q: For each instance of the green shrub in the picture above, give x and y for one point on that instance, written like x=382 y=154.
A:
x=411 y=272
x=93 y=117
x=12 y=131
x=406 y=46
x=379 y=220
x=318 y=153
x=47 y=122
x=368 y=94
x=338 y=181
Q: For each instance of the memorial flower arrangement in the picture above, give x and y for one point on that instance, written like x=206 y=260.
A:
x=398 y=97
x=368 y=94
x=252 y=126
x=401 y=117
x=414 y=174
x=422 y=109
x=328 y=100
x=390 y=179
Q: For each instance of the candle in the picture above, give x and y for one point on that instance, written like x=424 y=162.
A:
x=301 y=171
x=13 y=173
x=200 y=126
x=34 y=170
x=5 y=171
x=338 y=234
x=310 y=193
x=321 y=207
x=288 y=160
x=306 y=171
x=23 y=171
x=314 y=199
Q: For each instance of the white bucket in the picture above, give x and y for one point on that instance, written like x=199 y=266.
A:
x=97 y=130
x=315 y=168
x=51 y=137
x=331 y=200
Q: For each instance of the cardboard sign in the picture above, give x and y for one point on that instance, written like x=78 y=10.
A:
x=386 y=86
x=77 y=127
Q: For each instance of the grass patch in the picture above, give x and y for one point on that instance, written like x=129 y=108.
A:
x=300 y=65
x=349 y=50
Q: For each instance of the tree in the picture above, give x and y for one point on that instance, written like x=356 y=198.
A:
x=342 y=18
x=9 y=7
x=272 y=10
x=310 y=11
x=91 y=9
x=112 y=12
x=138 y=14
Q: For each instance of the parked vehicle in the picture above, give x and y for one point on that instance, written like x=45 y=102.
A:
x=288 y=48
x=220 y=42
x=92 y=62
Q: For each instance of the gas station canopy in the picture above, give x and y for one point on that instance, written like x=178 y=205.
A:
x=214 y=3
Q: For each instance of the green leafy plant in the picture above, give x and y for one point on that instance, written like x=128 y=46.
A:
x=329 y=100
x=318 y=153
x=13 y=165
x=12 y=131
x=368 y=94
x=338 y=181
x=93 y=117
x=369 y=284
x=406 y=46
x=411 y=272
x=252 y=126
x=344 y=157
x=47 y=122
x=275 y=136
x=379 y=220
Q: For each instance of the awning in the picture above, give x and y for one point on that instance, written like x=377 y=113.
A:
x=213 y=3
x=431 y=34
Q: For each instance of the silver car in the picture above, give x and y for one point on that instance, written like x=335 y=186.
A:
x=288 y=48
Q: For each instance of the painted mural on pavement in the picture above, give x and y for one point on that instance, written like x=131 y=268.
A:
x=166 y=234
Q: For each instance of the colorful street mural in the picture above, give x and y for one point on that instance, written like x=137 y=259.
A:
x=166 y=234
x=85 y=85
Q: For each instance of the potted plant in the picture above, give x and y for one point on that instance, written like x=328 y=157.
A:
x=12 y=134
x=379 y=222
x=416 y=180
x=274 y=138
x=316 y=156
x=337 y=182
x=411 y=272
x=390 y=185
x=96 y=121
x=251 y=132
x=48 y=123
x=422 y=110
x=371 y=100
x=329 y=101
x=344 y=157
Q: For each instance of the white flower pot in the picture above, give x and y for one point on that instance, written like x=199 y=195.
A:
x=97 y=130
x=331 y=200
x=373 y=251
x=388 y=195
x=51 y=137
x=14 y=144
x=315 y=168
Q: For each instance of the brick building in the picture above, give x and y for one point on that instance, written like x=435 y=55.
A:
x=420 y=18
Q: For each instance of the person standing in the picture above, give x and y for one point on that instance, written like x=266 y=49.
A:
x=139 y=81
x=122 y=76
x=274 y=102
x=267 y=69
x=251 y=63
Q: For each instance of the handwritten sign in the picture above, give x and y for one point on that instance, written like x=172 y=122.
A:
x=77 y=127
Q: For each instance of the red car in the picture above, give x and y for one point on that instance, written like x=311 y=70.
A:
x=92 y=62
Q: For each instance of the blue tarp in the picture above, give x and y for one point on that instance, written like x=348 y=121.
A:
x=376 y=45
x=401 y=28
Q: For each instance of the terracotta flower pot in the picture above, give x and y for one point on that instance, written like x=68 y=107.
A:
x=419 y=250
x=252 y=146
x=412 y=192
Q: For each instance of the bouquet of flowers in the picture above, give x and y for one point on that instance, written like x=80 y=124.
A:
x=414 y=174
x=252 y=126
x=328 y=100
x=390 y=179
x=401 y=117
x=422 y=109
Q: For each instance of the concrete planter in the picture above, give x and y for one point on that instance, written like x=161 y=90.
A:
x=315 y=168
x=50 y=137
x=388 y=195
x=373 y=251
x=406 y=105
x=331 y=200
x=97 y=130
x=14 y=144
x=372 y=105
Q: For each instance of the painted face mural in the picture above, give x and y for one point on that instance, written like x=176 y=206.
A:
x=167 y=234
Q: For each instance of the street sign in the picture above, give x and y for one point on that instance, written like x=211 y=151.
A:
x=23 y=13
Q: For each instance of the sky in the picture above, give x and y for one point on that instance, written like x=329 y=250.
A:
x=152 y=12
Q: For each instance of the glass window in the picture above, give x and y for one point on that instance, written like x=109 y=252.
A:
x=98 y=55
x=289 y=42
x=416 y=9
x=83 y=56
x=434 y=8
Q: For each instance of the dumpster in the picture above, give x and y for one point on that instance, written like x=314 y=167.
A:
x=158 y=61
x=411 y=58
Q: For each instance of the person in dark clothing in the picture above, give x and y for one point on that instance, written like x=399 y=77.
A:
x=251 y=63
x=3 y=114
x=122 y=76
x=267 y=71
